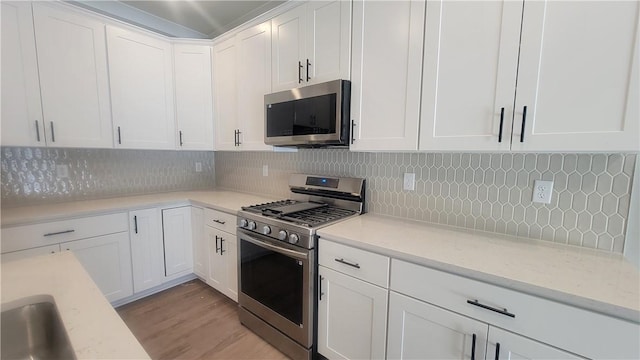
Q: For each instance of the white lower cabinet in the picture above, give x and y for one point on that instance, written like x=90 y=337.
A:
x=178 y=243
x=507 y=345
x=351 y=317
x=200 y=257
x=418 y=330
x=147 y=252
x=223 y=261
x=107 y=259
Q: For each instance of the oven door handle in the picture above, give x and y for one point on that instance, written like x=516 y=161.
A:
x=281 y=250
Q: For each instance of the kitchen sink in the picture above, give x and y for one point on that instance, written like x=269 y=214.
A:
x=32 y=329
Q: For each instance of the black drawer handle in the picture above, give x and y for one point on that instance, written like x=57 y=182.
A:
x=497 y=351
x=342 y=261
x=473 y=348
x=217 y=248
x=37 y=131
x=59 y=233
x=320 y=293
x=501 y=124
x=135 y=223
x=499 y=311
x=524 y=120
x=219 y=221
x=221 y=249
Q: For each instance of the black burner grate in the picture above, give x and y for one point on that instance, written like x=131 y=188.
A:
x=308 y=218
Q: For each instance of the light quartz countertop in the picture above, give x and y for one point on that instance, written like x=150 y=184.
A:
x=95 y=330
x=586 y=278
x=227 y=201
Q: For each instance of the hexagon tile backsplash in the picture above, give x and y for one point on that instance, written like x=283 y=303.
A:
x=488 y=192
x=29 y=174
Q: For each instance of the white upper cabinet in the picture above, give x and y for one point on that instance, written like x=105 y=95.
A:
x=242 y=76
x=74 y=84
x=311 y=44
x=578 y=77
x=140 y=69
x=386 y=73
x=575 y=65
x=21 y=108
x=469 y=77
x=194 y=98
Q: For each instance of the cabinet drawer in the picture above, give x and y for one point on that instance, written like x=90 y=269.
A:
x=220 y=220
x=580 y=331
x=360 y=264
x=43 y=234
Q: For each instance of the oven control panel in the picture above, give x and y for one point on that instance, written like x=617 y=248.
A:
x=273 y=230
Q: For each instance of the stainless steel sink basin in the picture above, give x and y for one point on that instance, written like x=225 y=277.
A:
x=32 y=329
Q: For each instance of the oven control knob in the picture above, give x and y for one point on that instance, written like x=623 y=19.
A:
x=243 y=223
x=266 y=230
x=293 y=239
x=282 y=235
x=252 y=225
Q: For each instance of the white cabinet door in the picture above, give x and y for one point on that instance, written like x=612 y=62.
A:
x=147 y=252
x=288 y=49
x=194 y=98
x=507 y=345
x=418 y=330
x=386 y=72
x=469 y=75
x=140 y=70
x=578 y=77
x=107 y=259
x=21 y=115
x=217 y=268
x=72 y=62
x=178 y=241
x=229 y=250
x=225 y=92
x=200 y=257
x=254 y=82
x=352 y=317
x=328 y=43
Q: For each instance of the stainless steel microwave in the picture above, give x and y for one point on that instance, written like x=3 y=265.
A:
x=310 y=116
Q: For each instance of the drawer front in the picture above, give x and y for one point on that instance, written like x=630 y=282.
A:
x=576 y=330
x=220 y=220
x=361 y=264
x=49 y=233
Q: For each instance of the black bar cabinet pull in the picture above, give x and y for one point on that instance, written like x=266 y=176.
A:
x=53 y=133
x=501 y=124
x=308 y=64
x=353 y=133
x=180 y=132
x=497 y=351
x=239 y=132
x=217 y=248
x=499 y=311
x=219 y=221
x=59 y=233
x=473 y=347
x=524 y=119
x=320 y=293
x=299 y=72
x=37 y=131
x=135 y=224
x=221 y=249
x=119 y=136
x=342 y=261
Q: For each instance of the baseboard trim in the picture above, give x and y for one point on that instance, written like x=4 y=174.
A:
x=148 y=292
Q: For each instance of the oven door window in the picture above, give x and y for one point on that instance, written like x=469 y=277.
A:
x=273 y=279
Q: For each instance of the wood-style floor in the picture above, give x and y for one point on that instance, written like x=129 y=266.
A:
x=193 y=321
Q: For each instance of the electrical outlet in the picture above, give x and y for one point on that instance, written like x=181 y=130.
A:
x=409 y=181
x=542 y=191
x=198 y=167
x=265 y=170
x=62 y=171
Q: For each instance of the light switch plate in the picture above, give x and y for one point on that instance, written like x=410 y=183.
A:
x=265 y=170
x=409 y=181
x=542 y=190
x=198 y=166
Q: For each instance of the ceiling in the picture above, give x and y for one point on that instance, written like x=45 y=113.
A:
x=183 y=18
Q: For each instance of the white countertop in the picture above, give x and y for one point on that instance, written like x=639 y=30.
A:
x=587 y=278
x=227 y=201
x=95 y=330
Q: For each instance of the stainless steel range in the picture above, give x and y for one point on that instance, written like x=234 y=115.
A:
x=277 y=259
